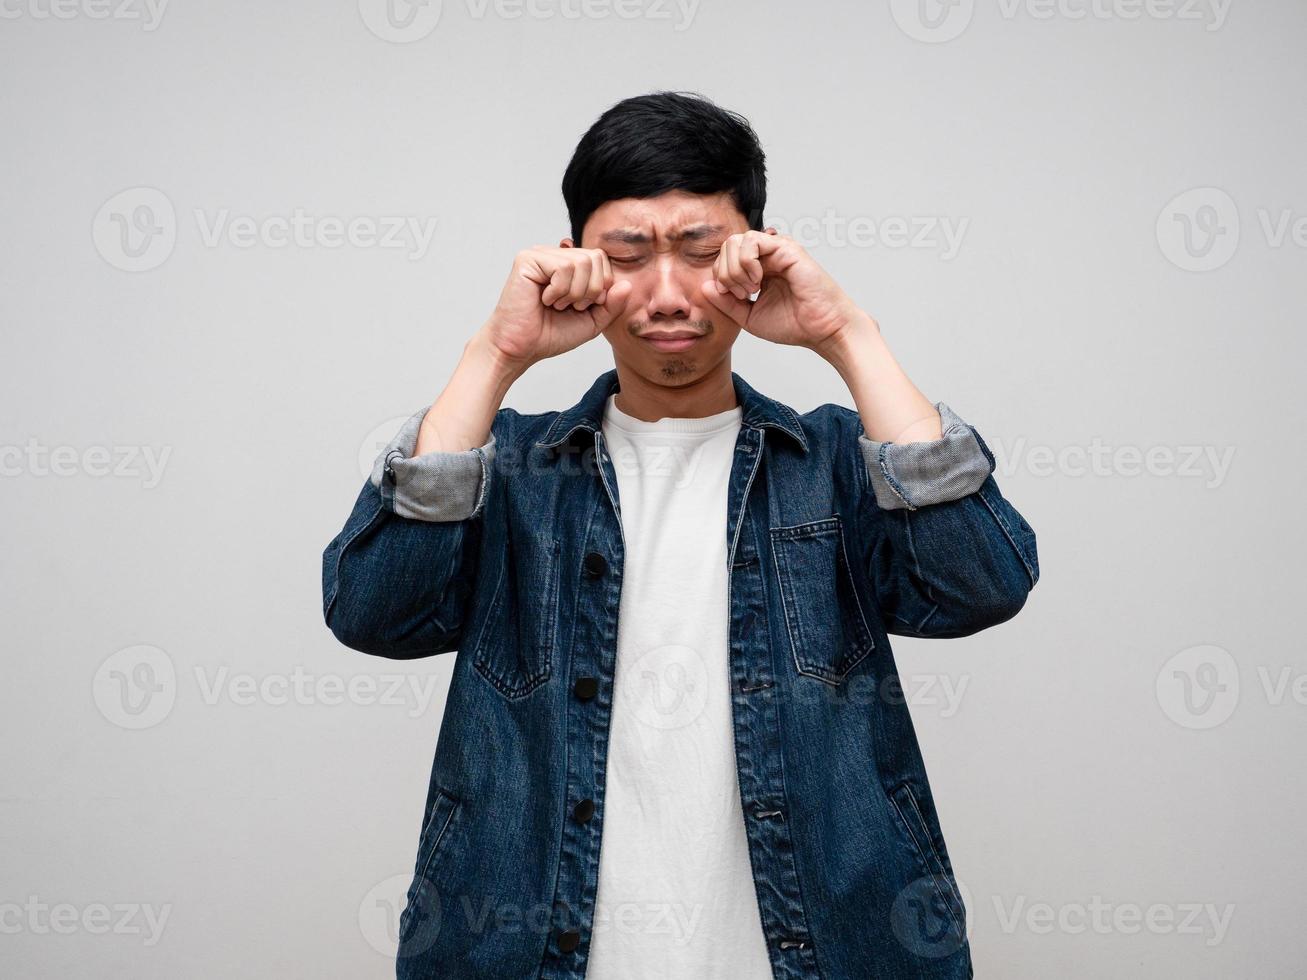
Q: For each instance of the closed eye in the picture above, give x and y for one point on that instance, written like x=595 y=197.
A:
x=700 y=253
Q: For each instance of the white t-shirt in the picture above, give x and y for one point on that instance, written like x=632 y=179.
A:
x=676 y=895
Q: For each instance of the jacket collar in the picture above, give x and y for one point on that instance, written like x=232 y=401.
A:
x=759 y=410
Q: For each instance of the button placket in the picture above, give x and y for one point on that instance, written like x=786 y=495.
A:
x=757 y=733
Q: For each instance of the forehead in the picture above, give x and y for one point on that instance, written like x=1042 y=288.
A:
x=665 y=217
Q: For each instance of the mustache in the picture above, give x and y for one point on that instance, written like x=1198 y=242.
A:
x=703 y=327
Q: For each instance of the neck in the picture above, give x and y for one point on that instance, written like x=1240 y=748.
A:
x=710 y=393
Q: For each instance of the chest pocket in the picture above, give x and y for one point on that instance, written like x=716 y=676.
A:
x=823 y=613
x=514 y=646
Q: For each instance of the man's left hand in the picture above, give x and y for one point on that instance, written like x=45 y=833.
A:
x=797 y=303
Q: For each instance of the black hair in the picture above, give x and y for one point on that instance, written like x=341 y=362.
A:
x=663 y=141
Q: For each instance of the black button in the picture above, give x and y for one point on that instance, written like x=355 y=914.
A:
x=595 y=565
x=568 y=940
x=583 y=811
x=746 y=624
x=586 y=687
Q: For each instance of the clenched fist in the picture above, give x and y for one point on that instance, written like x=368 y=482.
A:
x=555 y=300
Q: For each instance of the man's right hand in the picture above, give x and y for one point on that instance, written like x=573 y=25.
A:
x=555 y=300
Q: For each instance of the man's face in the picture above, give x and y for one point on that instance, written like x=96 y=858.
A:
x=666 y=247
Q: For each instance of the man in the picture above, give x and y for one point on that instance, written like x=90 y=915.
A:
x=671 y=602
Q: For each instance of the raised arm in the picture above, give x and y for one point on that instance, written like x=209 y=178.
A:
x=397 y=578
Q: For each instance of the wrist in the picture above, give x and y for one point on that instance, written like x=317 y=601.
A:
x=851 y=343
x=492 y=362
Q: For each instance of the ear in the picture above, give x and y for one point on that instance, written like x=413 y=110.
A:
x=566 y=243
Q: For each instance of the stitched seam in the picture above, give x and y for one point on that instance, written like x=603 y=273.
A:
x=481 y=656
x=929 y=840
x=919 y=576
x=431 y=852
x=798 y=426
x=853 y=587
x=882 y=457
x=921 y=851
x=340 y=555
x=817 y=527
x=485 y=481
x=785 y=608
x=791 y=622
x=1007 y=533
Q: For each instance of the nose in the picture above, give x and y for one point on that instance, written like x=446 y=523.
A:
x=669 y=296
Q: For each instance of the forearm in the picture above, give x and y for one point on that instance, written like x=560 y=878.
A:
x=890 y=405
x=461 y=417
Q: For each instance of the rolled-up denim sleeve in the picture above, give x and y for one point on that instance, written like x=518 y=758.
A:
x=398 y=577
x=917 y=474
x=947 y=554
x=437 y=486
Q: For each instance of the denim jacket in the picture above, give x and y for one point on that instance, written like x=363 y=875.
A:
x=512 y=554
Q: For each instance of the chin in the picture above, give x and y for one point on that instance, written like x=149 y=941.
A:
x=675 y=370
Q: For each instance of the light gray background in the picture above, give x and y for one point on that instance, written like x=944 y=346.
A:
x=1076 y=769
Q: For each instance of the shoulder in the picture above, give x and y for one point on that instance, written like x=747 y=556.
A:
x=520 y=429
x=831 y=423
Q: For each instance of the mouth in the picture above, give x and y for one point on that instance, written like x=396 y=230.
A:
x=670 y=342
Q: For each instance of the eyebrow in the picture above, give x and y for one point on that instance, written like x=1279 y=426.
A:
x=630 y=236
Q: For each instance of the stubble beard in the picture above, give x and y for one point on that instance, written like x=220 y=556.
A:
x=677 y=368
